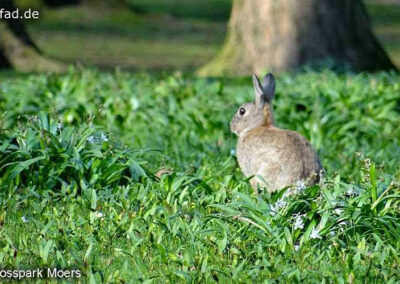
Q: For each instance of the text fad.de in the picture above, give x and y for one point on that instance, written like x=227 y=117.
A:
x=18 y=14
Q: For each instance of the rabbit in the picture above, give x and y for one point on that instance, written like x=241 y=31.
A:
x=275 y=158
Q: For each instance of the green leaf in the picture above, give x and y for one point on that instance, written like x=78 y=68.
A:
x=204 y=264
x=93 y=200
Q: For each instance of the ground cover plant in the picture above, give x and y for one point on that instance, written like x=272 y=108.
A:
x=80 y=182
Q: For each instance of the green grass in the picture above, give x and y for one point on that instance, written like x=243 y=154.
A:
x=217 y=10
x=108 y=37
x=160 y=36
x=79 y=155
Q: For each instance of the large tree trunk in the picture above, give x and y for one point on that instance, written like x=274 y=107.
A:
x=17 y=49
x=277 y=35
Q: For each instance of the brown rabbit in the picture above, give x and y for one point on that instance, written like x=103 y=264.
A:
x=277 y=158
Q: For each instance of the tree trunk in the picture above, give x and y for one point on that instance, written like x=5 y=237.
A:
x=18 y=51
x=278 y=35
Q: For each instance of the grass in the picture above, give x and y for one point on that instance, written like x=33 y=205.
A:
x=80 y=187
x=217 y=10
x=81 y=156
x=111 y=37
x=156 y=35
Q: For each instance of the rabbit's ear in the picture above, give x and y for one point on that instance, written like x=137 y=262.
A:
x=259 y=93
x=268 y=87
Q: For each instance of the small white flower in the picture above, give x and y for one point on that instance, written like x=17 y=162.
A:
x=24 y=219
x=300 y=186
x=352 y=191
x=91 y=139
x=99 y=214
x=233 y=152
x=103 y=137
x=341 y=225
x=321 y=176
x=315 y=234
x=296 y=247
x=298 y=223
x=280 y=203
x=59 y=126
x=287 y=193
x=273 y=210
x=338 y=211
x=333 y=233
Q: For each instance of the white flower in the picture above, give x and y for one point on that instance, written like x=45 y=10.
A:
x=273 y=210
x=298 y=223
x=91 y=139
x=280 y=203
x=338 y=211
x=300 y=186
x=333 y=233
x=296 y=247
x=233 y=152
x=24 y=219
x=341 y=225
x=59 y=126
x=315 y=234
x=99 y=214
x=321 y=175
x=350 y=192
x=134 y=103
x=103 y=137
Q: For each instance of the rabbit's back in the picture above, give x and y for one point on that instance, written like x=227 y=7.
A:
x=280 y=157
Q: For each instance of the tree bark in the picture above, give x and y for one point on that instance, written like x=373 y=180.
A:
x=18 y=51
x=279 y=35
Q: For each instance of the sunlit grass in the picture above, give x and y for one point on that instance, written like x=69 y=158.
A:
x=109 y=37
x=80 y=153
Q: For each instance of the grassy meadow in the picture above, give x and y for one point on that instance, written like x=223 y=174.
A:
x=132 y=177
x=80 y=156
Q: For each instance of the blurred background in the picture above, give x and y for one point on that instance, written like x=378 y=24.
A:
x=157 y=34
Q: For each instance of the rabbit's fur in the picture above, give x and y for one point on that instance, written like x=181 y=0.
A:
x=276 y=158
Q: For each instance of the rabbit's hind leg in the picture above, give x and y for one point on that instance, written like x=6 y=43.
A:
x=267 y=177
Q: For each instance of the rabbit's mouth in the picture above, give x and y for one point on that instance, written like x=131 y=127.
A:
x=233 y=128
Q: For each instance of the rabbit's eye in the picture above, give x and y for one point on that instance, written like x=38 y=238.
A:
x=242 y=111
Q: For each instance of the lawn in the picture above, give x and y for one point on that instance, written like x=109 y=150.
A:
x=107 y=37
x=161 y=35
x=80 y=186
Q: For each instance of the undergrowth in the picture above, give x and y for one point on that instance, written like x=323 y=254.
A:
x=133 y=178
